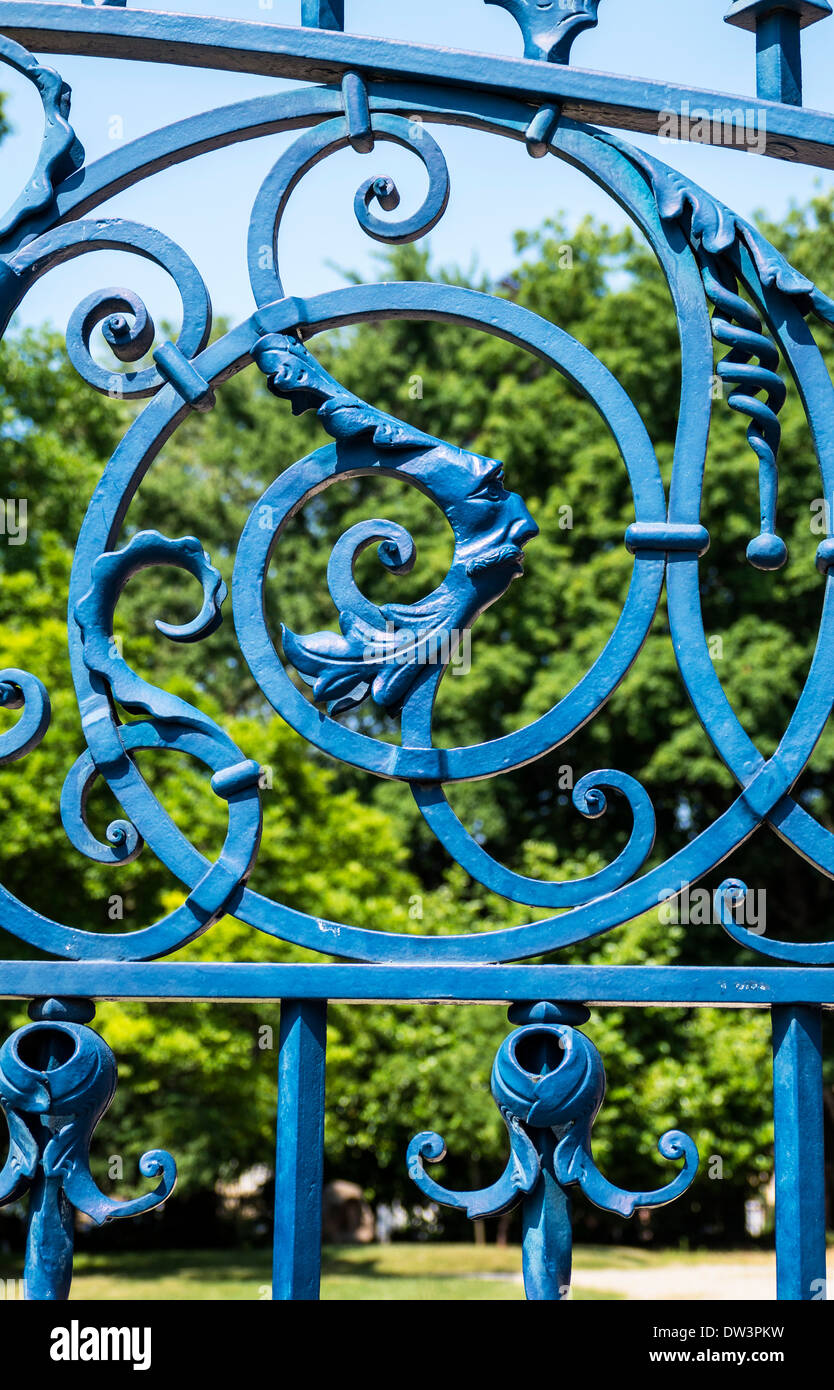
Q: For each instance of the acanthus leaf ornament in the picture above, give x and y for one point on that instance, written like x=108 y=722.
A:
x=61 y=151
x=549 y=27
x=386 y=651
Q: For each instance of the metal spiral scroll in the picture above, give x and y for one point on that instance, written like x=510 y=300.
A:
x=57 y=1080
x=708 y=256
x=128 y=339
x=738 y=326
x=24 y=258
x=61 y=152
x=548 y=1081
x=359 y=131
x=19 y=690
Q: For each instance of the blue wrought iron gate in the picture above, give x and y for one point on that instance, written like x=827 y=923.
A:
x=726 y=282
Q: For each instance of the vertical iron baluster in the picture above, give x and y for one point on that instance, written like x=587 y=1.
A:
x=547 y=1233
x=547 y=1229
x=299 y=1149
x=50 y=1241
x=50 y=1223
x=800 y=1173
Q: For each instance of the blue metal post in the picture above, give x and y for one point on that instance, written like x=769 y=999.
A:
x=779 y=58
x=50 y=1241
x=50 y=1225
x=777 y=25
x=547 y=1227
x=299 y=1150
x=800 y=1181
x=547 y=1233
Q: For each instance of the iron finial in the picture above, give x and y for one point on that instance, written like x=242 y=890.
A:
x=550 y=26
x=777 y=25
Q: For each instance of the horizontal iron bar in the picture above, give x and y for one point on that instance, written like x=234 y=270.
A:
x=627 y=103
x=737 y=987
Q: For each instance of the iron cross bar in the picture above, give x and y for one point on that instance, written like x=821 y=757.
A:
x=325 y=55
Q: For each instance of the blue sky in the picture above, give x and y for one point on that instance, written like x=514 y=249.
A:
x=496 y=188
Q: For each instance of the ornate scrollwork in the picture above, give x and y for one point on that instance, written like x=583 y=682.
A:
x=550 y=27
x=129 y=341
x=589 y=799
x=360 y=134
x=394 y=655
x=716 y=235
x=548 y=1081
x=385 y=651
x=61 y=151
x=25 y=256
x=57 y=1079
x=727 y=285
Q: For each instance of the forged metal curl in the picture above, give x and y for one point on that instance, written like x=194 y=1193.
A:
x=548 y=1081
x=95 y=611
x=387 y=663
x=129 y=338
x=94 y=617
x=739 y=327
x=124 y=843
x=61 y=154
x=61 y=151
x=57 y=1079
x=20 y=690
x=729 y=900
x=589 y=799
x=317 y=144
x=214 y=888
x=129 y=342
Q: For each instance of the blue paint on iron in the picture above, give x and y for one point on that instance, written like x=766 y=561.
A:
x=727 y=285
x=299 y=1152
x=548 y=1081
x=61 y=152
x=323 y=14
x=777 y=25
x=57 y=1078
x=549 y=30
x=799 y=1171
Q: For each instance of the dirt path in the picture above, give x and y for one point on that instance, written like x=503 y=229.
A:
x=698 y=1281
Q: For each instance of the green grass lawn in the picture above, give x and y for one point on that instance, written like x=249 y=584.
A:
x=441 y=1273
x=435 y=1272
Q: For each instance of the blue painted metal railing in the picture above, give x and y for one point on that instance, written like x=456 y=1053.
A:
x=56 y=1075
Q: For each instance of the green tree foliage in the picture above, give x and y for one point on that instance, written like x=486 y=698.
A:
x=201 y=1080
